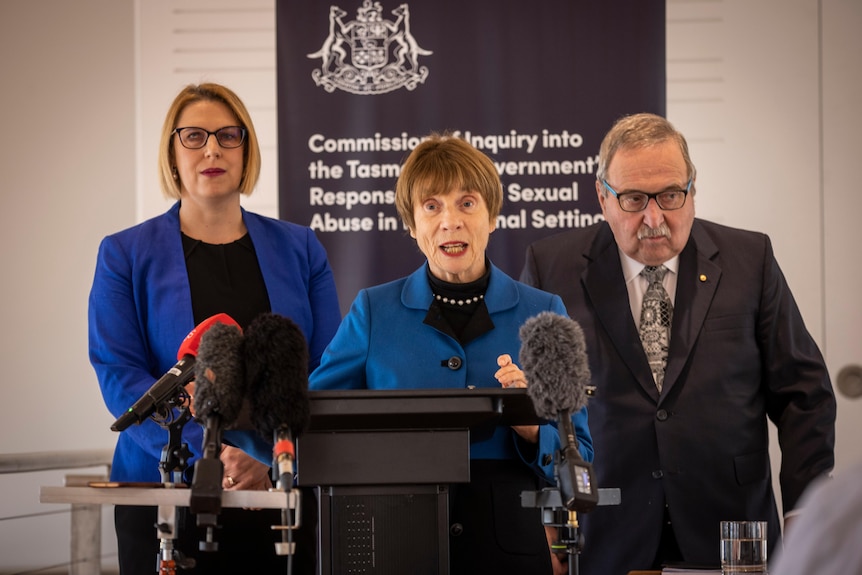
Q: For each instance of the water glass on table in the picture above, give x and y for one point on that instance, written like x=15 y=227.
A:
x=743 y=547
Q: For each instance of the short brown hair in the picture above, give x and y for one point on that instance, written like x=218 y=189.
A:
x=212 y=93
x=441 y=163
x=640 y=131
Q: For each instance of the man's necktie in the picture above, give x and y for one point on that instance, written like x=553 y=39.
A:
x=656 y=315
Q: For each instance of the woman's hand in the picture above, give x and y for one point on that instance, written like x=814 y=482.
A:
x=558 y=561
x=190 y=402
x=242 y=471
x=510 y=376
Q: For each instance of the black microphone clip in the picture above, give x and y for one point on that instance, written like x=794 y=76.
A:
x=164 y=393
x=574 y=476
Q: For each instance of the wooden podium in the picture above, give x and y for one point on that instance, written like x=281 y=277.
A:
x=381 y=463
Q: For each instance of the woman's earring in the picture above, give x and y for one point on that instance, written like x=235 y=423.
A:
x=174 y=173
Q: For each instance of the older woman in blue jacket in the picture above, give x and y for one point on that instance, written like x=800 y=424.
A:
x=453 y=323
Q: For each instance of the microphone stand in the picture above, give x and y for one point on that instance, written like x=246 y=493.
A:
x=282 y=471
x=206 y=491
x=569 y=540
x=554 y=514
x=173 y=463
x=575 y=492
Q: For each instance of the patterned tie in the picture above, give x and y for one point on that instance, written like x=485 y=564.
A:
x=656 y=315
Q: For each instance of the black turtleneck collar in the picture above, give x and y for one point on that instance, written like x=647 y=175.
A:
x=459 y=309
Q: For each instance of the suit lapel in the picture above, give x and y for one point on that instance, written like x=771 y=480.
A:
x=167 y=277
x=697 y=281
x=605 y=287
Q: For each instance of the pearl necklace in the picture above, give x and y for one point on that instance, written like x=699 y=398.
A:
x=459 y=302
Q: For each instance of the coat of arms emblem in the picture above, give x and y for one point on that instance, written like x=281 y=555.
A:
x=369 y=55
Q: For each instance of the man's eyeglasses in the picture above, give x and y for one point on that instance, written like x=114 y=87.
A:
x=196 y=138
x=637 y=201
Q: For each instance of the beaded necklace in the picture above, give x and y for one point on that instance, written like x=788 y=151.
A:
x=459 y=302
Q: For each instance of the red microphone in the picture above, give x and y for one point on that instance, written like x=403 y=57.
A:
x=176 y=377
x=191 y=343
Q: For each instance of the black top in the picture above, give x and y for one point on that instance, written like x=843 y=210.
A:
x=225 y=278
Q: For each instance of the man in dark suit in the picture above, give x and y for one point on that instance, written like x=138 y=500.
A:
x=679 y=419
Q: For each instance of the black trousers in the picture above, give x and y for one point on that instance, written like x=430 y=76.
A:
x=668 y=551
x=246 y=542
x=489 y=530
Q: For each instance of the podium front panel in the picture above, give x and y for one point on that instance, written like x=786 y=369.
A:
x=383 y=457
x=389 y=530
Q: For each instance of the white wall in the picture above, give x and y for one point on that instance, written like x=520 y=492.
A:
x=67 y=168
x=231 y=42
x=841 y=45
x=768 y=92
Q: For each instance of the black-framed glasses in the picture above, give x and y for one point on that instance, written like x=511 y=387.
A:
x=637 y=201
x=196 y=138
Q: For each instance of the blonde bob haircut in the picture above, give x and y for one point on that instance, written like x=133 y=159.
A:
x=208 y=92
x=440 y=164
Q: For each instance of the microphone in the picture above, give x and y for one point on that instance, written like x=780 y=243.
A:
x=219 y=391
x=176 y=377
x=276 y=360
x=554 y=359
x=220 y=374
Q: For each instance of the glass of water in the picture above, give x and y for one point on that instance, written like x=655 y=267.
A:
x=743 y=547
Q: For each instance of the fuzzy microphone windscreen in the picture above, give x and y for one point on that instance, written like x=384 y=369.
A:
x=276 y=361
x=554 y=359
x=220 y=382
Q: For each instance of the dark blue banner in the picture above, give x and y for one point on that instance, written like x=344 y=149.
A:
x=534 y=85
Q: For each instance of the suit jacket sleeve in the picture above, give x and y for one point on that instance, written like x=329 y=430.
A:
x=137 y=320
x=344 y=360
x=800 y=400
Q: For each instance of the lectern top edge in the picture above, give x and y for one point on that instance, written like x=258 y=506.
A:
x=419 y=408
